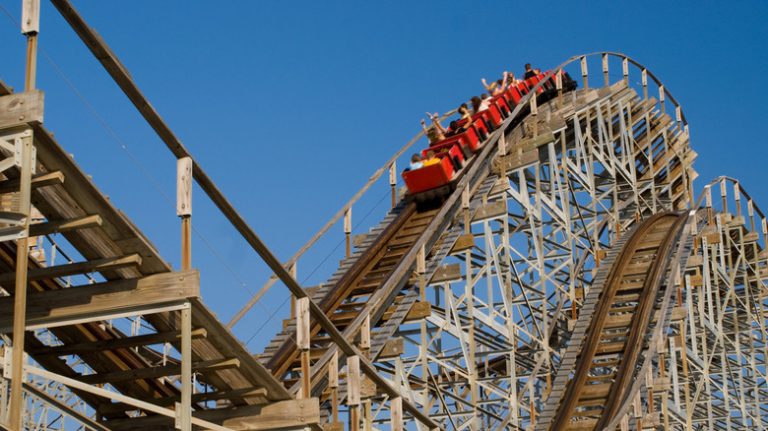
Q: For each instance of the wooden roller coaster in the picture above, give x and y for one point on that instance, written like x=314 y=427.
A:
x=568 y=281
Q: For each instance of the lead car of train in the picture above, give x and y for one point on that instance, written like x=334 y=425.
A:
x=433 y=182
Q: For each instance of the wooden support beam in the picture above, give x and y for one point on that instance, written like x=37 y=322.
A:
x=98 y=265
x=42 y=180
x=101 y=300
x=292 y=414
x=254 y=395
x=21 y=109
x=114 y=344
x=288 y=415
x=157 y=372
x=60 y=226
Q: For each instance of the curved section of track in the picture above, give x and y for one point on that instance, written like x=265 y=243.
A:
x=598 y=368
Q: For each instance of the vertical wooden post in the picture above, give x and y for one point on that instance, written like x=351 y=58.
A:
x=348 y=230
x=184 y=208
x=365 y=334
x=625 y=69
x=605 y=70
x=184 y=408
x=333 y=384
x=584 y=72
x=184 y=211
x=302 y=342
x=30 y=26
x=662 y=92
x=393 y=182
x=559 y=87
x=644 y=81
x=353 y=391
x=20 y=292
x=396 y=414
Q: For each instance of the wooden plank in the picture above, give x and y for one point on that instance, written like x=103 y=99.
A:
x=419 y=310
x=293 y=414
x=60 y=226
x=21 y=109
x=463 y=243
x=257 y=394
x=393 y=348
x=42 y=180
x=184 y=186
x=57 y=307
x=99 y=265
x=281 y=415
x=157 y=372
x=490 y=210
x=114 y=344
x=447 y=273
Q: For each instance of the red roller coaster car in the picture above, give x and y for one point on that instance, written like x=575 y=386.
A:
x=456 y=151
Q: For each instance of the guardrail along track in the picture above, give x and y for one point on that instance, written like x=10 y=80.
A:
x=610 y=335
x=348 y=290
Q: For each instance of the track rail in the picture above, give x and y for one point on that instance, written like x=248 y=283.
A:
x=611 y=334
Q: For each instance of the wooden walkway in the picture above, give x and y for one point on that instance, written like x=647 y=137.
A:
x=136 y=281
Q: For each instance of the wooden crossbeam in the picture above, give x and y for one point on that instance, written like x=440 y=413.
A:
x=289 y=414
x=21 y=109
x=42 y=180
x=114 y=344
x=59 y=226
x=98 y=265
x=157 y=372
x=253 y=394
x=100 y=301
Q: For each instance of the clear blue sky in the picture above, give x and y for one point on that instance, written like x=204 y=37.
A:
x=290 y=106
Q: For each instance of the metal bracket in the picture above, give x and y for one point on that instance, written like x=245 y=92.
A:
x=14 y=144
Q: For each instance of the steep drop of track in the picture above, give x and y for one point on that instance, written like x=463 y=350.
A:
x=607 y=344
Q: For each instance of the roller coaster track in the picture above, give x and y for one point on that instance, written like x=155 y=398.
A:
x=610 y=335
x=570 y=281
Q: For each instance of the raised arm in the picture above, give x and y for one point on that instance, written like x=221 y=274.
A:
x=485 y=84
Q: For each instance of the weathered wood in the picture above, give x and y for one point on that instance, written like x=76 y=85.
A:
x=394 y=348
x=20 y=109
x=184 y=186
x=42 y=180
x=463 y=243
x=30 y=17
x=60 y=226
x=302 y=323
x=157 y=372
x=114 y=344
x=353 y=380
x=287 y=415
x=98 y=265
x=57 y=307
x=445 y=273
x=257 y=394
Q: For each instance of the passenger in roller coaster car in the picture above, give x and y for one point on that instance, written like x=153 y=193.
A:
x=530 y=72
x=431 y=159
x=459 y=126
x=416 y=163
x=498 y=87
x=485 y=102
x=476 y=102
x=436 y=132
